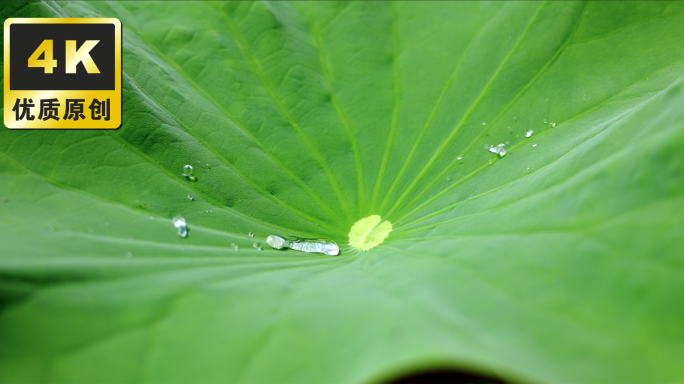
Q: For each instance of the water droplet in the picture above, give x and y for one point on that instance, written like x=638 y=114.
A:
x=448 y=178
x=534 y=145
x=490 y=161
x=209 y=211
x=499 y=149
x=326 y=247
x=459 y=158
x=544 y=121
x=187 y=172
x=129 y=255
x=553 y=125
x=509 y=127
x=529 y=133
x=257 y=246
x=483 y=123
x=235 y=246
x=191 y=198
x=181 y=225
x=515 y=118
x=507 y=142
x=528 y=167
x=107 y=223
x=251 y=234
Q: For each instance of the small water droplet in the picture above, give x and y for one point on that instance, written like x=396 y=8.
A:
x=553 y=125
x=544 y=121
x=483 y=123
x=490 y=161
x=534 y=145
x=509 y=127
x=107 y=223
x=507 y=142
x=528 y=167
x=459 y=158
x=515 y=118
x=181 y=225
x=251 y=234
x=209 y=211
x=529 y=133
x=257 y=246
x=187 y=172
x=191 y=198
x=448 y=178
x=129 y=255
x=235 y=246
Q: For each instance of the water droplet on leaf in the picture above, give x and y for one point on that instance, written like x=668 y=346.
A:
x=187 y=172
x=529 y=133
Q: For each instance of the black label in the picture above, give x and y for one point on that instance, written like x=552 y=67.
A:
x=25 y=39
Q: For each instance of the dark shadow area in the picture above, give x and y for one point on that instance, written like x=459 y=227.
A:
x=445 y=377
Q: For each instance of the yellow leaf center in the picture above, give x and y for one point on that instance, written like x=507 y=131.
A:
x=369 y=232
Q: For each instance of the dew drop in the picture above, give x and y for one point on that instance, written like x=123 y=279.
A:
x=326 y=247
x=257 y=246
x=191 y=198
x=209 y=211
x=181 y=225
x=235 y=246
x=483 y=123
x=529 y=133
x=544 y=121
x=251 y=234
x=499 y=149
x=534 y=145
x=490 y=161
x=448 y=178
x=553 y=125
x=459 y=158
x=187 y=172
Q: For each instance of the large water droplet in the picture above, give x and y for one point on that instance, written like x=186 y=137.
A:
x=499 y=149
x=529 y=133
x=187 y=172
x=326 y=247
x=181 y=225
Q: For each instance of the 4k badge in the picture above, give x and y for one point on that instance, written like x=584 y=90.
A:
x=62 y=73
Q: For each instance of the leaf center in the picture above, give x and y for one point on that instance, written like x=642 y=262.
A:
x=369 y=232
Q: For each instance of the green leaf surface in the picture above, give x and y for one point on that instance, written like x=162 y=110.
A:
x=560 y=262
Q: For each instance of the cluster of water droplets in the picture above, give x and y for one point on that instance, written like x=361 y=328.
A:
x=499 y=149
